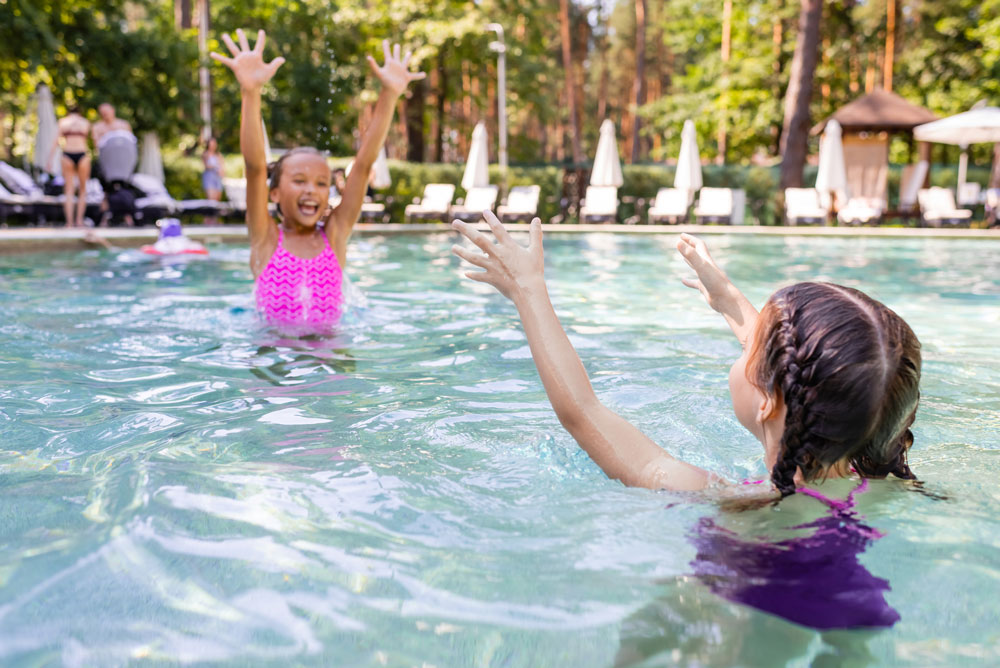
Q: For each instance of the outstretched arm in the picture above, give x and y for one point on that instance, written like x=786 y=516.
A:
x=718 y=290
x=252 y=73
x=395 y=77
x=618 y=447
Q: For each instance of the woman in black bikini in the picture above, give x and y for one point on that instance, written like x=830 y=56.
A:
x=73 y=130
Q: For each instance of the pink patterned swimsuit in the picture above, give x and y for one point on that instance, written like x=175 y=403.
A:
x=294 y=291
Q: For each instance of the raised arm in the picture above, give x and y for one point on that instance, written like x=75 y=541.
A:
x=395 y=77
x=718 y=290
x=252 y=73
x=618 y=447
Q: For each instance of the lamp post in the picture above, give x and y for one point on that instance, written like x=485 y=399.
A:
x=204 y=80
x=501 y=48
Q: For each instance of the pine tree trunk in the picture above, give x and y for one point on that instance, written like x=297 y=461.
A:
x=442 y=93
x=415 y=121
x=567 y=53
x=639 y=87
x=795 y=131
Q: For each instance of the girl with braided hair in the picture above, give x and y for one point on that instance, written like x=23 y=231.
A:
x=828 y=378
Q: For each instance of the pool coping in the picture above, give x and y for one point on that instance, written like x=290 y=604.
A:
x=40 y=239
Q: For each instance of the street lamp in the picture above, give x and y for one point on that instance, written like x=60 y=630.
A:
x=501 y=48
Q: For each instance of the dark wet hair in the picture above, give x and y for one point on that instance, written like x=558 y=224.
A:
x=274 y=169
x=848 y=370
x=74 y=109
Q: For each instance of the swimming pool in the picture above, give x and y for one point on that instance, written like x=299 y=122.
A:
x=180 y=484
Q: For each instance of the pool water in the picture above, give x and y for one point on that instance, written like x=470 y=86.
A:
x=179 y=483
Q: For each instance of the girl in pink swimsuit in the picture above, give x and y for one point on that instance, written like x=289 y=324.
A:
x=298 y=263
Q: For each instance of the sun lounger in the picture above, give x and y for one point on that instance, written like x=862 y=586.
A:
x=236 y=195
x=802 y=205
x=715 y=205
x=911 y=181
x=477 y=200
x=435 y=203
x=600 y=203
x=937 y=207
x=861 y=211
x=25 y=192
x=970 y=194
x=156 y=202
x=670 y=205
x=522 y=204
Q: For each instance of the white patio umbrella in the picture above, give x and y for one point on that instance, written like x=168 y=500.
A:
x=607 y=169
x=477 y=167
x=688 y=174
x=47 y=132
x=831 y=179
x=151 y=162
x=979 y=126
x=382 y=178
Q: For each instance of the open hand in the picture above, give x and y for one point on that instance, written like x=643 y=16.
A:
x=512 y=269
x=248 y=64
x=393 y=74
x=712 y=282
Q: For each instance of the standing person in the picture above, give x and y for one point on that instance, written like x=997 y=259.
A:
x=297 y=263
x=108 y=122
x=73 y=131
x=211 y=178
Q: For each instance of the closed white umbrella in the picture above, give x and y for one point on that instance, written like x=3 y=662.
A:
x=688 y=174
x=382 y=178
x=47 y=133
x=979 y=126
x=607 y=169
x=477 y=167
x=151 y=162
x=831 y=179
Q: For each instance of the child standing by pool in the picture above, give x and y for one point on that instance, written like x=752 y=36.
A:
x=827 y=382
x=297 y=264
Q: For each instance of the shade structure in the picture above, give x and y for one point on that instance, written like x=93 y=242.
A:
x=831 y=180
x=47 y=132
x=150 y=161
x=382 y=179
x=477 y=167
x=878 y=111
x=607 y=169
x=978 y=126
x=688 y=174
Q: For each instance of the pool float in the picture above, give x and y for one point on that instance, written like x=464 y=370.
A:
x=172 y=241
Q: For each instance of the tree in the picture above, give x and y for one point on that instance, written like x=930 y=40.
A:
x=795 y=130
x=567 y=59
x=640 y=73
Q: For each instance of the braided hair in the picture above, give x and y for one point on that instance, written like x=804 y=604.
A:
x=847 y=368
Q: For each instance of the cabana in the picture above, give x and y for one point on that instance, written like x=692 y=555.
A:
x=867 y=124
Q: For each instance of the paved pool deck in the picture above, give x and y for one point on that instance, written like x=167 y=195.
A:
x=41 y=239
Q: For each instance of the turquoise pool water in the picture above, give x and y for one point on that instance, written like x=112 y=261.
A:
x=179 y=484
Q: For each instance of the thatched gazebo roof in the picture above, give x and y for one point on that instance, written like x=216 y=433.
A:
x=878 y=111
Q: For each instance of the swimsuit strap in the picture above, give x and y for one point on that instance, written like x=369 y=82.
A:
x=840 y=506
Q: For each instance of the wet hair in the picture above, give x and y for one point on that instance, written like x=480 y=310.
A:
x=74 y=109
x=848 y=370
x=275 y=168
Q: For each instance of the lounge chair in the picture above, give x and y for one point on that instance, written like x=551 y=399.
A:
x=671 y=205
x=601 y=203
x=937 y=206
x=522 y=204
x=435 y=203
x=910 y=182
x=970 y=194
x=861 y=211
x=156 y=202
x=15 y=205
x=803 y=205
x=715 y=205
x=23 y=192
x=236 y=195
x=477 y=200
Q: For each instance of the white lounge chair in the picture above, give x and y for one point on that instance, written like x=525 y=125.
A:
x=670 y=205
x=476 y=201
x=25 y=192
x=236 y=194
x=601 y=203
x=804 y=205
x=715 y=205
x=156 y=202
x=522 y=204
x=911 y=181
x=435 y=203
x=970 y=194
x=861 y=211
x=937 y=206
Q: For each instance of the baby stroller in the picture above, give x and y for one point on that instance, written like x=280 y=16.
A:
x=118 y=155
